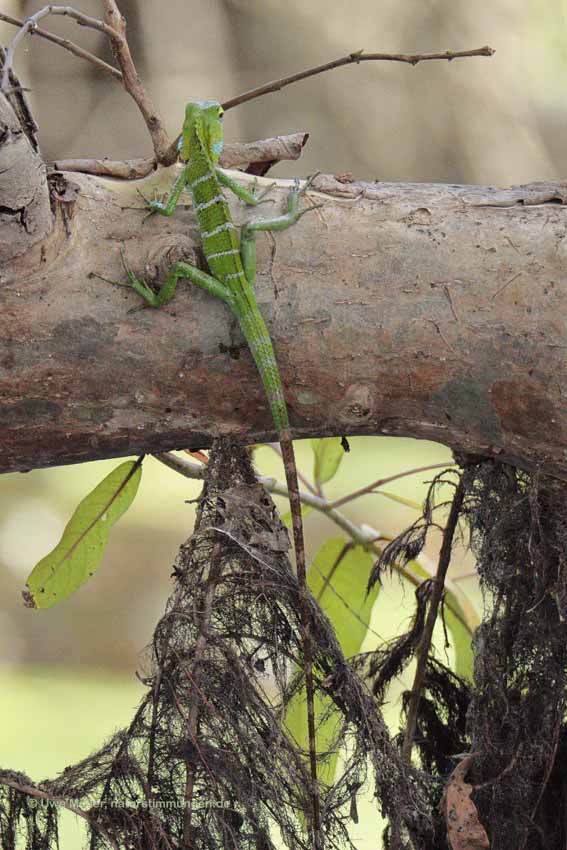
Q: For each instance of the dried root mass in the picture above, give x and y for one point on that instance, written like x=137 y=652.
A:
x=207 y=761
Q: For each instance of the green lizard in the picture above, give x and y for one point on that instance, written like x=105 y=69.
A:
x=233 y=269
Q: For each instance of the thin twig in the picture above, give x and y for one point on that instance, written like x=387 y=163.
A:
x=30 y=24
x=469 y=574
x=381 y=481
x=275 y=447
x=66 y=44
x=121 y=51
x=438 y=586
x=352 y=59
x=114 y=27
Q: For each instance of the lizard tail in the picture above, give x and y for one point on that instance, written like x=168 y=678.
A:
x=260 y=345
x=290 y=467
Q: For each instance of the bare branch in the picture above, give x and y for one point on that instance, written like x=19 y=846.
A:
x=66 y=44
x=265 y=151
x=122 y=169
x=121 y=51
x=370 y=488
x=268 y=152
x=114 y=27
x=352 y=59
x=30 y=24
x=166 y=152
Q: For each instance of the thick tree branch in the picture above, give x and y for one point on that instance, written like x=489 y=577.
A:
x=424 y=310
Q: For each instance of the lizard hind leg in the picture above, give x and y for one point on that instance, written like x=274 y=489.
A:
x=167 y=290
x=139 y=286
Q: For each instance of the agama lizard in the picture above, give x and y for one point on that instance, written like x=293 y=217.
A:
x=232 y=266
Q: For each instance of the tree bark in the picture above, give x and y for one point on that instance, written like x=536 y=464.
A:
x=25 y=216
x=423 y=310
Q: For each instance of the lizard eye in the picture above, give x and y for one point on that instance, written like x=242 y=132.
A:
x=221 y=112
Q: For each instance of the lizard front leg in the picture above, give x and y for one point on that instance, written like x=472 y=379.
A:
x=249 y=198
x=168 y=207
x=280 y=222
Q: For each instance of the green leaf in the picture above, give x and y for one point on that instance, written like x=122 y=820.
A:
x=340 y=589
x=460 y=627
x=339 y=585
x=80 y=550
x=328 y=454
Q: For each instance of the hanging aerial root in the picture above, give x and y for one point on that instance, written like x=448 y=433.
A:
x=519 y=530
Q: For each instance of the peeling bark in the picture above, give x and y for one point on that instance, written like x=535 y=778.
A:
x=429 y=311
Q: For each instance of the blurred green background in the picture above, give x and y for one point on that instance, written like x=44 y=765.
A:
x=68 y=674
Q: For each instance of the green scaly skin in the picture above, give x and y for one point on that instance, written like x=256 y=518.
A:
x=232 y=263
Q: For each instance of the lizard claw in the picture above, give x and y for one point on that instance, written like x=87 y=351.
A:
x=299 y=190
x=152 y=206
x=140 y=286
x=259 y=197
x=309 y=180
x=117 y=282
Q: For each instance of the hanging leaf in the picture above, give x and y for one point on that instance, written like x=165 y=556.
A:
x=338 y=578
x=328 y=453
x=79 y=552
x=464 y=828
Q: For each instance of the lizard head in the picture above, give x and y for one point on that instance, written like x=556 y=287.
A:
x=203 y=123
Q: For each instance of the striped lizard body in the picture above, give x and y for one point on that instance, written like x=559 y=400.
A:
x=221 y=247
